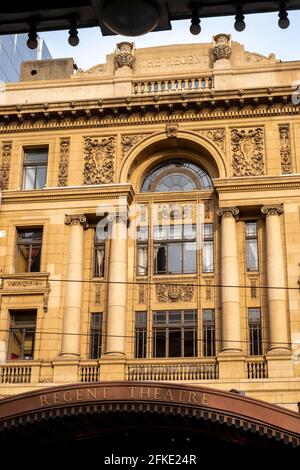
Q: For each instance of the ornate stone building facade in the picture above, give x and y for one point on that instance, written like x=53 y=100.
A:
x=150 y=223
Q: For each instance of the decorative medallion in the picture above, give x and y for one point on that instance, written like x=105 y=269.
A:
x=247 y=151
x=222 y=46
x=99 y=158
x=124 y=54
x=174 y=293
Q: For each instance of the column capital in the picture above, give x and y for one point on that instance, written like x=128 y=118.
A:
x=228 y=212
x=272 y=210
x=78 y=219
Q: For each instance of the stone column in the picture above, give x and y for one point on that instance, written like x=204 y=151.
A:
x=231 y=330
x=278 y=321
x=73 y=287
x=117 y=288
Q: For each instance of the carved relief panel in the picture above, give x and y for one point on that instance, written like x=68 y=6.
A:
x=5 y=164
x=99 y=160
x=247 y=147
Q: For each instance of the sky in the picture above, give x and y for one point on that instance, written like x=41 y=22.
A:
x=261 y=35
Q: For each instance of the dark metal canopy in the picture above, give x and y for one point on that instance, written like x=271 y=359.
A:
x=50 y=15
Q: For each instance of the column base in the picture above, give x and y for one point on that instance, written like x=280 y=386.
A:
x=280 y=363
x=231 y=364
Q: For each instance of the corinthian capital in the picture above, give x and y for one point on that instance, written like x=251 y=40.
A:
x=228 y=212
x=78 y=219
x=272 y=210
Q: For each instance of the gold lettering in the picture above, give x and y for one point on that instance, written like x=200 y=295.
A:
x=92 y=393
x=145 y=392
x=157 y=393
x=132 y=390
x=205 y=399
x=78 y=394
x=192 y=397
x=56 y=396
x=44 y=401
x=104 y=392
x=67 y=396
x=169 y=395
x=180 y=395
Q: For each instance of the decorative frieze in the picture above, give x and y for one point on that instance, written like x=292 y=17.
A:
x=285 y=149
x=5 y=164
x=99 y=160
x=247 y=152
x=64 y=154
x=174 y=293
x=216 y=135
x=129 y=141
x=175 y=211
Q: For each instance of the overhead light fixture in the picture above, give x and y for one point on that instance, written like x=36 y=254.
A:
x=32 y=41
x=132 y=18
x=195 y=27
x=73 y=39
x=239 y=24
x=283 y=21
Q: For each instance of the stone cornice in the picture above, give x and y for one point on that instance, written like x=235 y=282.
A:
x=264 y=183
x=69 y=193
x=148 y=109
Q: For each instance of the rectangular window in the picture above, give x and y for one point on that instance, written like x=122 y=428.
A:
x=208 y=249
x=22 y=334
x=142 y=251
x=175 y=333
x=29 y=248
x=255 y=331
x=251 y=246
x=140 y=334
x=99 y=253
x=95 y=335
x=175 y=250
x=35 y=168
x=208 y=332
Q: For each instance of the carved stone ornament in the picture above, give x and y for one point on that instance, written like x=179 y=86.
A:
x=124 y=54
x=99 y=159
x=46 y=297
x=215 y=135
x=98 y=294
x=95 y=70
x=25 y=283
x=175 y=211
x=76 y=220
x=171 y=130
x=285 y=149
x=247 y=152
x=174 y=293
x=63 y=168
x=5 y=164
x=129 y=141
x=228 y=212
x=254 y=58
x=222 y=46
x=272 y=210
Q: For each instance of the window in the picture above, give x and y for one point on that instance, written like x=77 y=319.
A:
x=176 y=175
x=142 y=251
x=175 y=249
x=99 y=253
x=208 y=248
x=95 y=335
x=29 y=247
x=255 y=332
x=140 y=334
x=175 y=333
x=208 y=332
x=22 y=334
x=35 y=168
x=251 y=246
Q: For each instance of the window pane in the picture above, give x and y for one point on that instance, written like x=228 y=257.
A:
x=36 y=156
x=29 y=178
x=175 y=317
x=175 y=232
x=208 y=257
x=208 y=231
x=35 y=261
x=190 y=316
x=174 y=258
x=99 y=260
x=22 y=261
x=190 y=343
x=141 y=318
x=160 y=259
x=189 y=232
x=159 y=318
x=142 y=260
x=159 y=343
x=208 y=315
x=142 y=234
x=189 y=257
x=22 y=335
x=254 y=315
x=161 y=232
x=252 y=255
x=41 y=177
x=174 y=342
x=251 y=229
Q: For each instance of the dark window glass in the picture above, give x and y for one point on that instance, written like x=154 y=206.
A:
x=175 y=333
x=140 y=334
x=35 y=168
x=251 y=246
x=96 y=335
x=208 y=332
x=142 y=251
x=29 y=247
x=255 y=331
x=175 y=249
x=208 y=248
x=22 y=334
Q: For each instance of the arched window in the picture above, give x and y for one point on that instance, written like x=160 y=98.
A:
x=176 y=175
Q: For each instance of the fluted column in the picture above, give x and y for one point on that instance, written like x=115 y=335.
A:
x=73 y=286
x=278 y=321
x=231 y=330
x=117 y=288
